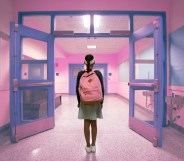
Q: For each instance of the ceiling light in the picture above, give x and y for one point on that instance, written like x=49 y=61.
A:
x=96 y=21
x=91 y=46
x=86 y=21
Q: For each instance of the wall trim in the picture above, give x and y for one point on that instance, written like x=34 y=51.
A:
x=176 y=127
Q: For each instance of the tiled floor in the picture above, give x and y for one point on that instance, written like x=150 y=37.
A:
x=115 y=141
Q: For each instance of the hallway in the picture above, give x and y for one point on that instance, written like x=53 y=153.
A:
x=115 y=141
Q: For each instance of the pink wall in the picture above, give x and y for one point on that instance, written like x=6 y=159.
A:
x=6 y=10
x=51 y=5
x=6 y=15
x=62 y=81
x=176 y=21
x=176 y=15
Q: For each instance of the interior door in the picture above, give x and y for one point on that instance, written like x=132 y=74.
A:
x=31 y=82
x=146 y=83
x=73 y=72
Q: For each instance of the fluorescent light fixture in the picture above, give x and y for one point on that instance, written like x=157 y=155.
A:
x=91 y=46
x=86 y=21
x=96 y=21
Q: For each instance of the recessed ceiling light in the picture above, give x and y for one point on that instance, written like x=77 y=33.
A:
x=91 y=46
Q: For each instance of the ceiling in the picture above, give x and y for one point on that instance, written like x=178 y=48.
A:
x=75 y=24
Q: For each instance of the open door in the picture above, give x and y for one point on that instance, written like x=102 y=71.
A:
x=31 y=82
x=146 y=84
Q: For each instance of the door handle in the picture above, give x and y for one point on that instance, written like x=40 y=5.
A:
x=16 y=85
x=141 y=84
x=155 y=85
x=36 y=84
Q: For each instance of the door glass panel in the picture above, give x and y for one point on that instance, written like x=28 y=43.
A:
x=144 y=58
x=144 y=105
x=123 y=71
x=35 y=105
x=34 y=71
x=72 y=24
x=39 y=22
x=141 y=21
x=33 y=49
x=107 y=24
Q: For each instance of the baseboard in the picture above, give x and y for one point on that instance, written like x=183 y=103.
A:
x=5 y=127
x=177 y=127
x=122 y=97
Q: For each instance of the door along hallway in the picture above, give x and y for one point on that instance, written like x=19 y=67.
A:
x=115 y=141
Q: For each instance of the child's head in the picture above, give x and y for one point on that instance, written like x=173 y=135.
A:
x=89 y=62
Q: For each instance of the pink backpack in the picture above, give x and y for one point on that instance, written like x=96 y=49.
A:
x=90 y=88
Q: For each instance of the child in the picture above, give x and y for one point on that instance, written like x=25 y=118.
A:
x=90 y=112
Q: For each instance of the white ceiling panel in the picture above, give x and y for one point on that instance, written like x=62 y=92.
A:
x=103 y=45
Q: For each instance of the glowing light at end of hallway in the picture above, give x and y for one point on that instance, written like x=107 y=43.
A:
x=86 y=20
x=96 y=21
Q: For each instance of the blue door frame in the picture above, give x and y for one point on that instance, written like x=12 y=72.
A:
x=31 y=99
x=75 y=68
x=152 y=130
x=131 y=15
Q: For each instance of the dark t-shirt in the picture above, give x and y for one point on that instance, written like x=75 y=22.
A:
x=98 y=73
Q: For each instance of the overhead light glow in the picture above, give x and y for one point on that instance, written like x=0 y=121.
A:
x=86 y=20
x=96 y=21
x=91 y=46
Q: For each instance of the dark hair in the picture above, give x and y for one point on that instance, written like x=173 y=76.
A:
x=89 y=60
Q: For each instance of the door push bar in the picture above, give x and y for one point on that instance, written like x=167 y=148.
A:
x=16 y=85
x=155 y=85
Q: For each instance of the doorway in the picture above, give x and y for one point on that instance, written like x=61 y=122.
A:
x=67 y=33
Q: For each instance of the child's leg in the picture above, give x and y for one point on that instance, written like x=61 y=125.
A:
x=87 y=132
x=94 y=131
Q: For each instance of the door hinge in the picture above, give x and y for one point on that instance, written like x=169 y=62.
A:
x=156 y=85
x=15 y=85
x=16 y=27
x=155 y=141
x=156 y=25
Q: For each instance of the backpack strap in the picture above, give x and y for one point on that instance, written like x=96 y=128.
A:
x=85 y=74
x=98 y=73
